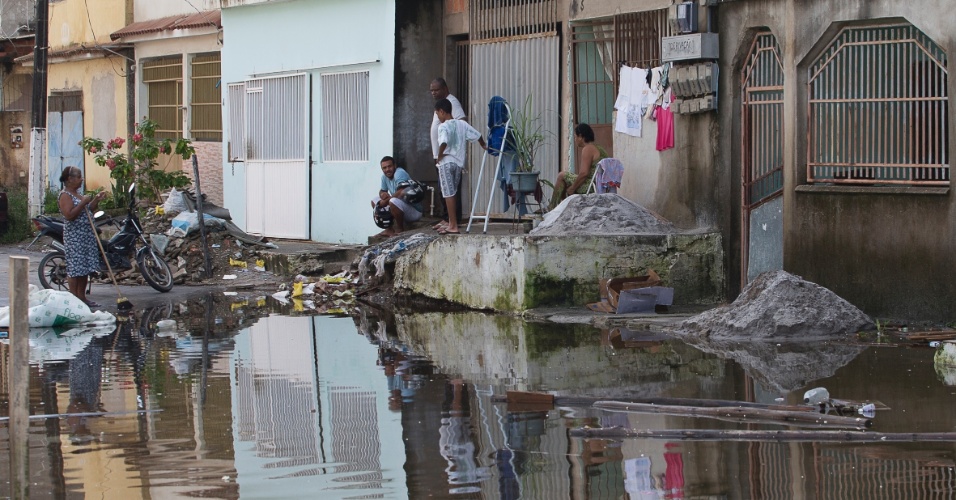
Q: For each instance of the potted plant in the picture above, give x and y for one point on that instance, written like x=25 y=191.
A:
x=527 y=136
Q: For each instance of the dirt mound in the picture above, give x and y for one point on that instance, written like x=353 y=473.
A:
x=601 y=214
x=779 y=305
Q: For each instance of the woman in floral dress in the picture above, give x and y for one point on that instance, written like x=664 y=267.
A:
x=82 y=254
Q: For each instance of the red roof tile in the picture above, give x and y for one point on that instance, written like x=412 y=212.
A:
x=212 y=18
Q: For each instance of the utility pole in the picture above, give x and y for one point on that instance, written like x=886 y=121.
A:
x=37 y=181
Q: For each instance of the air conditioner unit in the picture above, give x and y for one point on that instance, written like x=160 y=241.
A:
x=687 y=17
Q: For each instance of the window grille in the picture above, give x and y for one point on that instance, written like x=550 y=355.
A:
x=878 y=109
x=237 y=122
x=205 y=112
x=762 y=116
x=491 y=19
x=17 y=92
x=163 y=78
x=600 y=47
x=345 y=116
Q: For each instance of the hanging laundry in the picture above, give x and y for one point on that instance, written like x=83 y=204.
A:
x=665 y=123
x=629 y=104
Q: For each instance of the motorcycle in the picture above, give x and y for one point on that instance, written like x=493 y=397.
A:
x=126 y=245
x=52 y=270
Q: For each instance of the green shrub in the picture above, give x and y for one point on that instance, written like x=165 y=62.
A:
x=20 y=226
x=51 y=203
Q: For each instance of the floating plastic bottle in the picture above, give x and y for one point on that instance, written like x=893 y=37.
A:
x=868 y=410
x=816 y=396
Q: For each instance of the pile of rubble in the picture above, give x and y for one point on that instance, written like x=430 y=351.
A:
x=185 y=254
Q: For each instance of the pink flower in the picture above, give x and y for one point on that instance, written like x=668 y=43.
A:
x=165 y=149
x=93 y=149
x=137 y=138
x=111 y=163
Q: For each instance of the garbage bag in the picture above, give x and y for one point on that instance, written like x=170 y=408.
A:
x=175 y=202
x=57 y=308
x=187 y=222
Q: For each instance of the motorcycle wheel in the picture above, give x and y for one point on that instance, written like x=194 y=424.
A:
x=52 y=271
x=155 y=270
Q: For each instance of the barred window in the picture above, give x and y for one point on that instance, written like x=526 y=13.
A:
x=878 y=109
x=491 y=19
x=205 y=106
x=345 y=116
x=600 y=47
x=163 y=78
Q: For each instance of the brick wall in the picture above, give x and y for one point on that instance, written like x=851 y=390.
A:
x=209 y=155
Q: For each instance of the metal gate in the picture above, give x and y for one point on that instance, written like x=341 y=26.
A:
x=516 y=70
x=762 y=155
x=270 y=128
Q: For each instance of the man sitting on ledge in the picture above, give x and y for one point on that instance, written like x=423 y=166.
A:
x=390 y=195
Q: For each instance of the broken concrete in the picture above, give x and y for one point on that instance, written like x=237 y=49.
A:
x=779 y=305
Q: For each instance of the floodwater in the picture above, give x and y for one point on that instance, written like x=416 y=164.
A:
x=238 y=401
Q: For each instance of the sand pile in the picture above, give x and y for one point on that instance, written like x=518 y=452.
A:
x=779 y=305
x=601 y=214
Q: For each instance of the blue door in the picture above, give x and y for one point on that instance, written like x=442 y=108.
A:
x=64 y=133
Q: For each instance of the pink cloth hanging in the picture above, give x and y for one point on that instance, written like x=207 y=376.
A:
x=665 y=128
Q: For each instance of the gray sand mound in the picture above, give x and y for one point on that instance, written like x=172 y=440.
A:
x=779 y=305
x=601 y=214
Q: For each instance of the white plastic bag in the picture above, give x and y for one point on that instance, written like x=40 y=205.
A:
x=187 y=222
x=56 y=308
x=174 y=202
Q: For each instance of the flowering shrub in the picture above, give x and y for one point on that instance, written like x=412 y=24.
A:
x=139 y=165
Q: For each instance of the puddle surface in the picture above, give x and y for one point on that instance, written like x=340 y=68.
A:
x=230 y=405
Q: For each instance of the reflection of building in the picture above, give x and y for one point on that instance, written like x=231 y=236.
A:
x=309 y=409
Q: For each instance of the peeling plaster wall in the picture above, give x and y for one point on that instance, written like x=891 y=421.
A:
x=104 y=103
x=515 y=273
x=14 y=160
x=418 y=60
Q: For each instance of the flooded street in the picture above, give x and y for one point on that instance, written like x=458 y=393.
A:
x=239 y=400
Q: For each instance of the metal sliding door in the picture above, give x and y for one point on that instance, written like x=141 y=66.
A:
x=275 y=146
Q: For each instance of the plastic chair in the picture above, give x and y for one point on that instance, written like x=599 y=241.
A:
x=607 y=177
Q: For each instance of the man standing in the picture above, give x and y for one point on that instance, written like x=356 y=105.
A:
x=390 y=195
x=439 y=90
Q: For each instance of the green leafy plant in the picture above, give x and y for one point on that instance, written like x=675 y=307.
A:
x=140 y=164
x=51 y=202
x=527 y=135
x=19 y=226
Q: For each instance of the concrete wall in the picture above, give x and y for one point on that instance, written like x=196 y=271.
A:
x=887 y=251
x=516 y=273
x=75 y=22
x=319 y=37
x=418 y=60
x=14 y=161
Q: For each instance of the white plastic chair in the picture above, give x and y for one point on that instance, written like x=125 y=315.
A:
x=607 y=177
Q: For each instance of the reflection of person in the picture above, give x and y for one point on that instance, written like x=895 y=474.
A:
x=577 y=182
x=456 y=441
x=389 y=195
x=439 y=90
x=452 y=137
x=82 y=254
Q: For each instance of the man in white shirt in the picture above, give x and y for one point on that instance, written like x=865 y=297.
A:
x=439 y=90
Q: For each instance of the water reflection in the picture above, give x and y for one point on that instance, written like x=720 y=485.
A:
x=239 y=402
